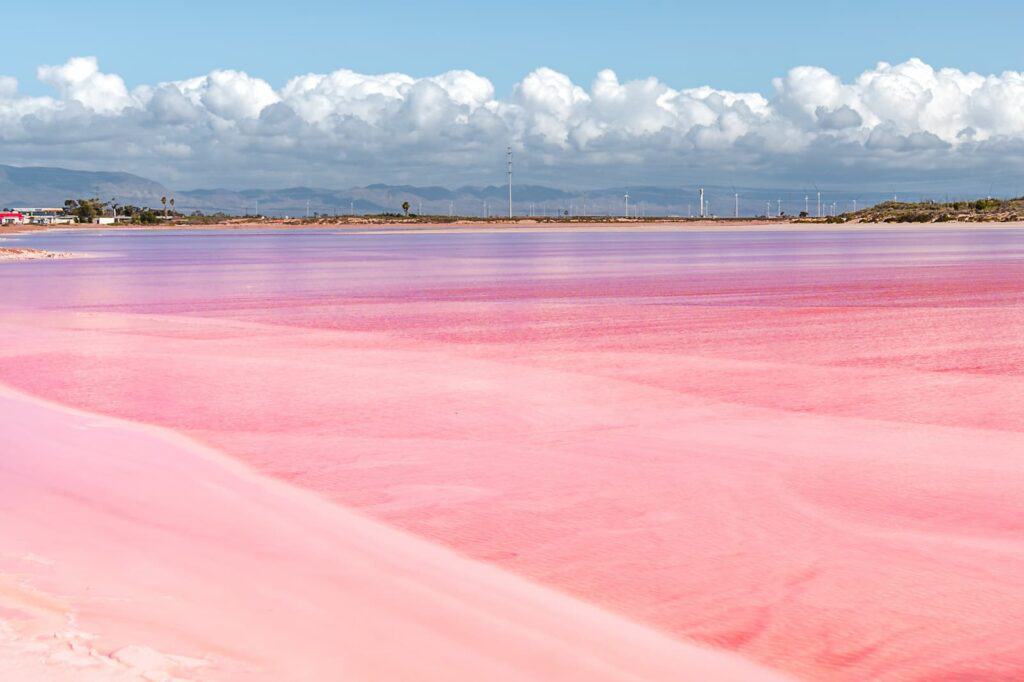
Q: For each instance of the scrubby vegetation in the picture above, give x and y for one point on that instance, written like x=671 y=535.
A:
x=977 y=211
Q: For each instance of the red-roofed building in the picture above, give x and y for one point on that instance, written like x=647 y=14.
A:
x=11 y=218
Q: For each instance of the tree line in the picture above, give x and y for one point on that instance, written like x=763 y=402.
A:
x=87 y=210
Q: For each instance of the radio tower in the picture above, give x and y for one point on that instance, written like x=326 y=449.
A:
x=508 y=151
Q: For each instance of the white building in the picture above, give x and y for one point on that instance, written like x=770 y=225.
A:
x=46 y=216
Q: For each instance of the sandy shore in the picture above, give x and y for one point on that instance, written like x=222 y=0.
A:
x=132 y=552
x=15 y=254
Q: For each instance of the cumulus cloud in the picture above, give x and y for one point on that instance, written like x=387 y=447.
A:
x=232 y=128
x=80 y=80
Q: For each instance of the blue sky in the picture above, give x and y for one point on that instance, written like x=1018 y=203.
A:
x=732 y=45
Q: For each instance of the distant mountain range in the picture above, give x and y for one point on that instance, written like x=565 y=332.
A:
x=51 y=186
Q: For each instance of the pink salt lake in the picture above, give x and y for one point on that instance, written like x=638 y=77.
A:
x=804 y=451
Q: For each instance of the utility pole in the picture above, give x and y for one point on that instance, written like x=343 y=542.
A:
x=509 y=152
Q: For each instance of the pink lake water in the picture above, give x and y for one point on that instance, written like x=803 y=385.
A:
x=806 y=448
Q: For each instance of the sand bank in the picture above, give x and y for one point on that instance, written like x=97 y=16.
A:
x=14 y=254
x=131 y=551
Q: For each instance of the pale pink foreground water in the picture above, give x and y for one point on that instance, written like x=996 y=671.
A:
x=806 y=449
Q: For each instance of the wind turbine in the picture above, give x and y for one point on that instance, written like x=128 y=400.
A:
x=627 y=204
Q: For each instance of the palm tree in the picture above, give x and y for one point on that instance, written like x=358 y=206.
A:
x=163 y=200
x=405 y=207
x=172 y=204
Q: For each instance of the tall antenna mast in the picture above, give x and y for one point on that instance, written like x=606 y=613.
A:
x=508 y=151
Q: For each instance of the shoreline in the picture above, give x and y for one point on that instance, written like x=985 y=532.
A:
x=10 y=254
x=485 y=227
x=178 y=573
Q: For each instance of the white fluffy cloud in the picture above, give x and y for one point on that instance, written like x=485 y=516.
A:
x=80 y=80
x=231 y=128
